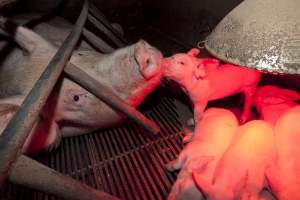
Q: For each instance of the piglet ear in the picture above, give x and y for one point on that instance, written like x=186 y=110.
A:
x=281 y=96
x=148 y=58
x=205 y=65
x=193 y=52
x=210 y=63
x=291 y=94
x=273 y=100
x=200 y=72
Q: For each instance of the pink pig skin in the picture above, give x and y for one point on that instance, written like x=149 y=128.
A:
x=272 y=101
x=213 y=135
x=283 y=175
x=240 y=173
x=206 y=80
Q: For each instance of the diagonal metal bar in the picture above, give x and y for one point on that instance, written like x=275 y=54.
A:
x=99 y=16
x=52 y=182
x=97 y=42
x=17 y=130
x=106 y=95
x=105 y=30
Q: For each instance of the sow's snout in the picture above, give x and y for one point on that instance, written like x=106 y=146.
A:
x=148 y=58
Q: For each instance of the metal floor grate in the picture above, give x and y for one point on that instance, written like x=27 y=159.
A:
x=122 y=161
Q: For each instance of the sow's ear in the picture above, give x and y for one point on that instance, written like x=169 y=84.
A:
x=148 y=58
x=7 y=111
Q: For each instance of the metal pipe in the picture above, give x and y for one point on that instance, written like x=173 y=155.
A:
x=106 y=95
x=30 y=173
x=99 y=16
x=6 y=2
x=97 y=42
x=105 y=30
x=17 y=130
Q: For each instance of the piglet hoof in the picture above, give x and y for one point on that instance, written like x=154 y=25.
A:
x=190 y=122
x=170 y=166
x=188 y=138
x=243 y=119
x=53 y=145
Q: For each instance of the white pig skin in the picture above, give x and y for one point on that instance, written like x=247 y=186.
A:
x=206 y=80
x=240 y=173
x=283 y=174
x=131 y=72
x=213 y=135
x=271 y=102
x=39 y=136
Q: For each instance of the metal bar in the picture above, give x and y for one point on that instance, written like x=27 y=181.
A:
x=6 y=2
x=52 y=182
x=99 y=16
x=17 y=130
x=97 y=42
x=104 y=93
x=105 y=30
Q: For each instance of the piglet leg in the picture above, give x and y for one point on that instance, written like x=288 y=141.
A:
x=178 y=163
x=13 y=100
x=188 y=135
x=185 y=189
x=198 y=113
x=249 y=95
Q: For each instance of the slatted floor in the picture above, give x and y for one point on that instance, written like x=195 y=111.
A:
x=122 y=161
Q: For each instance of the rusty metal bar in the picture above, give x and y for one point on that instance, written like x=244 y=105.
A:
x=17 y=130
x=105 y=94
x=97 y=42
x=30 y=173
x=99 y=16
x=105 y=30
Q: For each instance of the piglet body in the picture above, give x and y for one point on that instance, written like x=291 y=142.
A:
x=212 y=137
x=284 y=174
x=206 y=80
x=241 y=170
x=271 y=102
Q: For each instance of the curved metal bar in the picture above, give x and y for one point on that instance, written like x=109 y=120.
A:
x=17 y=130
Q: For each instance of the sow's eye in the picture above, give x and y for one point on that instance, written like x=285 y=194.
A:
x=76 y=98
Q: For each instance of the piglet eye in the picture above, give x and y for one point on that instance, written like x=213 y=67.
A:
x=148 y=61
x=181 y=62
x=76 y=98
